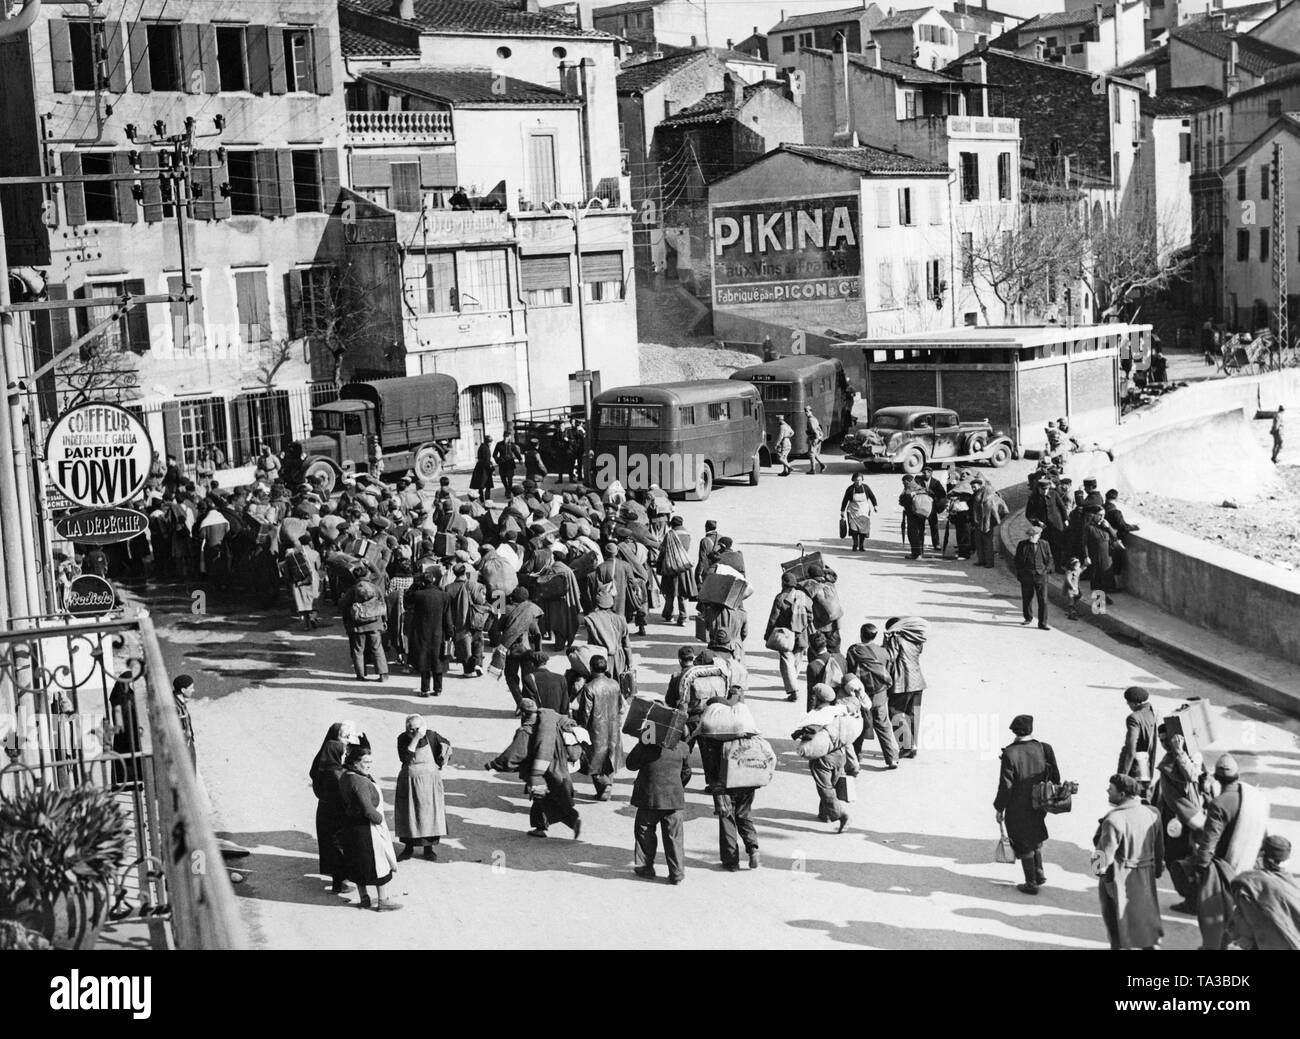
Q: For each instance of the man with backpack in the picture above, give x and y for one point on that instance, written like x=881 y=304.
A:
x=365 y=615
x=824 y=666
x=917 y=504
x=868 y=661
x=788 y=627
x=826 y=609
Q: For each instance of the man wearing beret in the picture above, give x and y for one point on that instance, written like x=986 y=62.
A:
x=1127 y=858
x=1025 y=762
x=1267 y=910
x=1137 y=758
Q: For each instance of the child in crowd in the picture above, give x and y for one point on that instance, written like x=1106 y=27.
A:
x=1070 y=585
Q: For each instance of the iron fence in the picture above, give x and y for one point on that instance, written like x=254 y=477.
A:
x=71 y=690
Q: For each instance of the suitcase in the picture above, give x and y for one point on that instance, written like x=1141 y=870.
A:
x=627 y=683
x=723 y=590
x=799 y=567
x=846 y=790
x=666 y=726
x=748 y=764
x=444 y=545
x=1192 y=722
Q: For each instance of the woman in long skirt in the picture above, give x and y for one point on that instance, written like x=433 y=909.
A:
x=855 y=508
x=367 y=845
x=419 y=811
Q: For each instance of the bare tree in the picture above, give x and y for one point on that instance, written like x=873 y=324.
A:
x=274 y=355
x=346 y=315
x=101 y=371
x=1019 y=256
x=1132 y=254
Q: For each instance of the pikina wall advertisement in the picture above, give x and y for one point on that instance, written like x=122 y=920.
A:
x=800 y=250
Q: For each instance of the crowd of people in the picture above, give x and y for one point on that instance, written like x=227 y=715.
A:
x=432 y=579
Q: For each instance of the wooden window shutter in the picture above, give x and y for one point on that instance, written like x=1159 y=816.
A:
x=544 y=272
x=275 y=50
x=322 y=49
x=171 y=415
x=604 y=266
x=208 y=57
x=936 y=203
x=218 y=175
x=204 y=184
x=137 y=319
x=884 y=208
x=329 y=179
x=293 y=301
x=284 y=162
x=126 y=213
x=406 y=187
x=74 y=195
x=115 y=56
x=259 y=60
x=61 y=55
x=268 y=183
x=191 y=59
x=141 y=81
x=438 y=169
x=151 y=186
x=53 y=332
x=371 y=171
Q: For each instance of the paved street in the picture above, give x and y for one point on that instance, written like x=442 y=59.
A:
x=914 y=869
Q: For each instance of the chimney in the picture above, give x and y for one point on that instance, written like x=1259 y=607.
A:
x=735 y=86
x=695 y=41
x=404 y=9
x=871 y=51
x=1040 y=49
x=1233 y=56
x=670 y=107
x=1099 y=14
x=730 y=44
x=840 y=92
x=532 y=6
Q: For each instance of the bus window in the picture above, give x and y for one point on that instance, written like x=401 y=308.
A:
x=613 y=416
x=688 y=416
x=352 y=425
x=645 y=417
x=720 y=411
x=749 y=407
x=775 y=391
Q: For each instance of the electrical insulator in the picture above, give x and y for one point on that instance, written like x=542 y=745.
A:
x=134 y=156
x=137 y=192
x=221 y=156
x=130 y=131
x=160 y=128
x=220 y=122
x=225 y=190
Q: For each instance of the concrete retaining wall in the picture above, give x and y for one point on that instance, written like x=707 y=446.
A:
x=1198 y=581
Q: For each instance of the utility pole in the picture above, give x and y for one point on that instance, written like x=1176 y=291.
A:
x=1282 y=326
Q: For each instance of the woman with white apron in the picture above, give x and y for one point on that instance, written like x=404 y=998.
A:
x=856 y=508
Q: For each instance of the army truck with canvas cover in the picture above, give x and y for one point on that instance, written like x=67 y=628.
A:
x=406 y=423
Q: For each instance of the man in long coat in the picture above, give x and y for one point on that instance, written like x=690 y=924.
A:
x=988 y=511
x=903 y=641
x=1025 y=762
x=599 y=710
x=428 y=623
x=791 y=610
x=612 y=571
x=1128 y=858
x=537 y=754
x=562 y=612
x=707 y=544
x=1137 y=758
x=1178 y=798
x=606 y=627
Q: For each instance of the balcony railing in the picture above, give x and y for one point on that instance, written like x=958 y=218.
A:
x=389 y=127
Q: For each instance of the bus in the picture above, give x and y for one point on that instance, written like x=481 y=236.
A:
x=681 y=436
x=789 y=384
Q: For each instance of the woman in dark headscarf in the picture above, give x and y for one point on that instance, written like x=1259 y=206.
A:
x=557 y=593
x=325 y=773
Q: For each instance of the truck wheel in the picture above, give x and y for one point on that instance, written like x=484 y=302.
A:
x=703 y=486
x=912 y=462
x=1000 y=456
x=428 y=463
x=328 y=474
x=753 y=473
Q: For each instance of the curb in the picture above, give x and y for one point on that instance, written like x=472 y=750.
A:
x=1176 y=651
